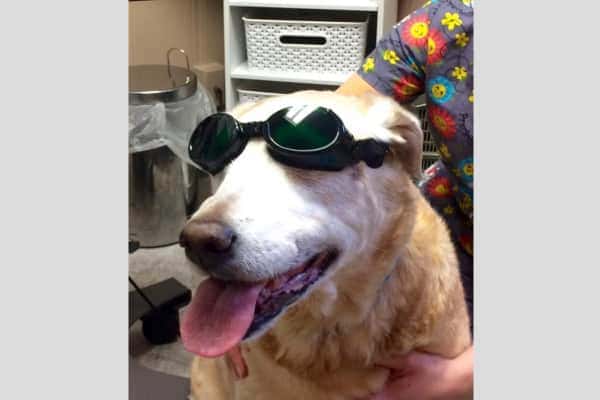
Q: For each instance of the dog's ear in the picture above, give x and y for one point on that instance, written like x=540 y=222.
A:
x=402 y=130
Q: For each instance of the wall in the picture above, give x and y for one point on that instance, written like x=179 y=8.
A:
x=209 y=34
x=193 y=25
x=405 y=7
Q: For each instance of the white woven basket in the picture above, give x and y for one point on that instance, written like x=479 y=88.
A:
x=254 y=95
x=305 y=46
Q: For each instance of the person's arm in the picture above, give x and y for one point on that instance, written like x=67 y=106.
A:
x=421 y=376
x=355 y=85
x=396 y=67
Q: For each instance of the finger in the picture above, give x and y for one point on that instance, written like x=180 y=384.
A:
x=236 y=362
x=412 y=361
x=396 y=390
x=394 y=362
x=383 y=395
x=405 y=361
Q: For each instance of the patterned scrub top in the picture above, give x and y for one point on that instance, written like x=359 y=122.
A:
x=431 y=52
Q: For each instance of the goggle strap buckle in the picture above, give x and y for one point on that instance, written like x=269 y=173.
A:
x=371 y=151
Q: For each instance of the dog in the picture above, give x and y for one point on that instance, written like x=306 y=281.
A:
x=386 y=283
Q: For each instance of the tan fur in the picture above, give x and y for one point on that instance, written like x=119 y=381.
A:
x=315 y=354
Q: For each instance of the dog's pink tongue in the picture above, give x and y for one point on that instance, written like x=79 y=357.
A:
x=219 y=316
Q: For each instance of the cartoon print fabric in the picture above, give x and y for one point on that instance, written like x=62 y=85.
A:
x=431 y=52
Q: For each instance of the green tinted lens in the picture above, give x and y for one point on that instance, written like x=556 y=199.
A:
x=222 y=135
x=213 y=139
x=303 y=128
x=215 y=142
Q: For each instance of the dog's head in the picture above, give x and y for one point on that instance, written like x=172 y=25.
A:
x=273 y=235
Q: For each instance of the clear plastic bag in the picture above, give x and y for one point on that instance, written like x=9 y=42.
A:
x=170 y=124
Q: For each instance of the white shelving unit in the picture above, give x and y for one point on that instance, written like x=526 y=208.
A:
x=359 y=5
x=382 y=13
x=242 y=72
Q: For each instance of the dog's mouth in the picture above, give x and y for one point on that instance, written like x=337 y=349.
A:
x=223 y=313
x=284 y=290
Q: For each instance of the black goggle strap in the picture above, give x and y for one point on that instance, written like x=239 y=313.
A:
x=371 y=151
x=252 y=129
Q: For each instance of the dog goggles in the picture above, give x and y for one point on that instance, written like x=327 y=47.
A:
x=305 y=137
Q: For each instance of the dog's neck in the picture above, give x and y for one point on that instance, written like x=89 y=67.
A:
x=352 y=332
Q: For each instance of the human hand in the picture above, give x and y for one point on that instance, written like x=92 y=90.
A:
x=422 y=376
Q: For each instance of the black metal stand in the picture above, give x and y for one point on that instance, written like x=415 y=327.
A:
x=160 y=318
x=158 y=307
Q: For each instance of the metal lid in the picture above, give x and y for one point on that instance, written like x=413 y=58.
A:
x=161 y=83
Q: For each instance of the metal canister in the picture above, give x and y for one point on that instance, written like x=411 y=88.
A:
x=162 y=189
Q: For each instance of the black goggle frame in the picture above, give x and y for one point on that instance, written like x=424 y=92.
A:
x=343 y=150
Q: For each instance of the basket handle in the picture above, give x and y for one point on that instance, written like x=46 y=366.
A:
x=301 y=39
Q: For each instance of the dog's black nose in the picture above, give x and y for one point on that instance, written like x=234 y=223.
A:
x=207 y=238
x=209 y=245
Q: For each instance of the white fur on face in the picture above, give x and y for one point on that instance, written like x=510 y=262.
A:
x=282 y=221
x=279 y=223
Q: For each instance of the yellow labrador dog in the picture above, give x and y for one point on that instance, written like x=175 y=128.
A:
x=326 y=273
